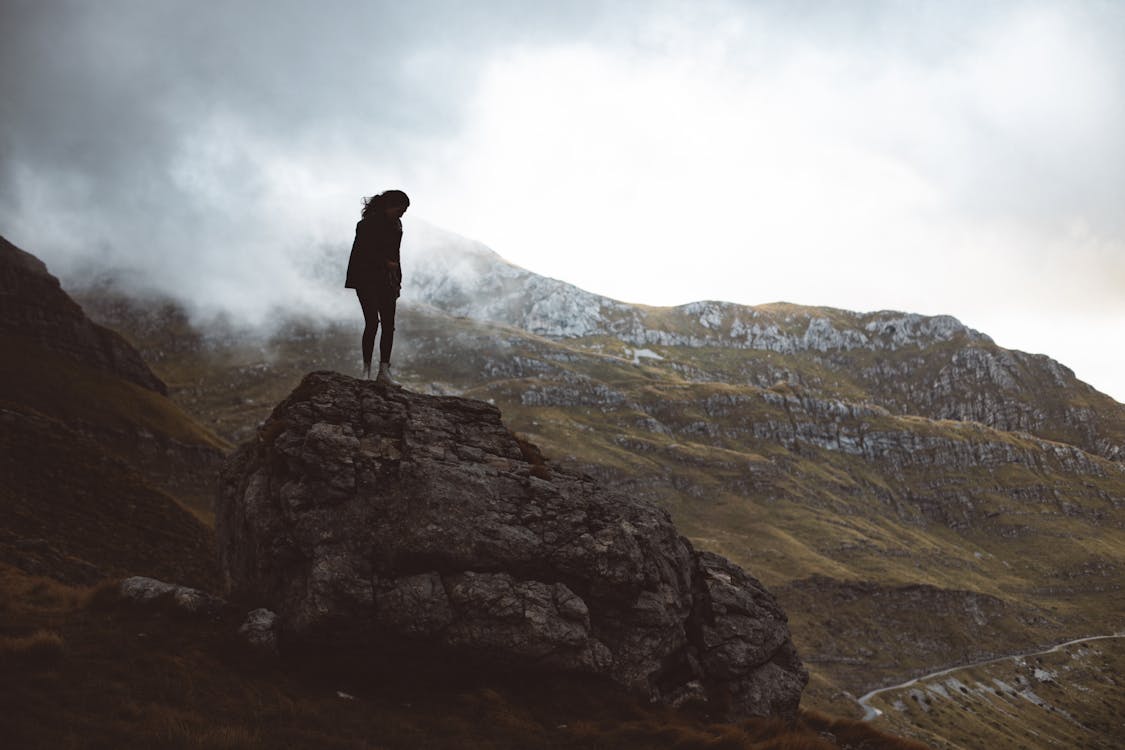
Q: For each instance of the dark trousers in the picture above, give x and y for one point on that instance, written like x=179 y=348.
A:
x=378 y=307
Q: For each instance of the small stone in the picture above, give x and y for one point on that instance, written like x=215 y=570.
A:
x=191 y=601
x=258 y=629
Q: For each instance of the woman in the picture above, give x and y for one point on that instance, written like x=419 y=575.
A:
x=374 y=273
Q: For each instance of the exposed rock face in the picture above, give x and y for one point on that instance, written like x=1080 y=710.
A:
x=383 y=519
x=934 y=367
x=466 y=279
x=33 y=305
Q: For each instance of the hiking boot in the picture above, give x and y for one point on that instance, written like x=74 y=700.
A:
x=384 y=376
x=367 y=371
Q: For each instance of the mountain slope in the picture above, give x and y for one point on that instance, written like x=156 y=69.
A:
x=100 y=466
x=34 y=306
x=814 y=446
x=1067 y=696
x=933 y=367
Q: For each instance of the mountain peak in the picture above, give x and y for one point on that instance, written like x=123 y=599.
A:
x=464 y=278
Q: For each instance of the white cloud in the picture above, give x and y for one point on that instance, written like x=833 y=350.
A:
x=977 y=184
x=933 y=157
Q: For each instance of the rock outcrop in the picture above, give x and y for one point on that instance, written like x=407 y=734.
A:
x=384 y=521
x=934 y=367
x=143 y=590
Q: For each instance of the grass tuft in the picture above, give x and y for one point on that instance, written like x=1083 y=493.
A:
x=104 y=596
x=851 y=733
x=39 y=651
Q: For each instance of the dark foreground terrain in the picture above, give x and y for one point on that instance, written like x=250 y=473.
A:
x=84 y=669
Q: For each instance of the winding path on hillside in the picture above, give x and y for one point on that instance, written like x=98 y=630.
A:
x=870 y=712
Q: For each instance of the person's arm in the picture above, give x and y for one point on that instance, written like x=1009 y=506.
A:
x=394 y=242
x=385 y=243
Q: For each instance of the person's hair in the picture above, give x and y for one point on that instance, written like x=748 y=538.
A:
x=385 y=199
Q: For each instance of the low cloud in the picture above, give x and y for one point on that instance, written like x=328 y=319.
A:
x=934 y=157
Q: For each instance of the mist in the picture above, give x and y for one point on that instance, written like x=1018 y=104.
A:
x=941 y=158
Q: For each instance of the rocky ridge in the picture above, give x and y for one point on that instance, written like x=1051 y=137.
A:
x=466 y=279
x=33 y=304
x=378 y=520
x=931 y=366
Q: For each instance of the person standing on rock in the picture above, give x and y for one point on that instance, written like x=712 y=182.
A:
x=375 y=274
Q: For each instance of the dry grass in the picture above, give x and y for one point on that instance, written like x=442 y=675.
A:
x=856 y=734
x=25 y=598
x=96 y=514
x=83 y=669
x=40 y=650
x=810 y=731
x=1070 y=698
x=78 y=394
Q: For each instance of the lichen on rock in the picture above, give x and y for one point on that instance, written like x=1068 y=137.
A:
x=391 y=521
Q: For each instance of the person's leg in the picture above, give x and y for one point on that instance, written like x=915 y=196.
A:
x=367 y=302
x=387 y=338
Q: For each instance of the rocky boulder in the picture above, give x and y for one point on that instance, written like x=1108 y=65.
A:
x=142 y=590
x=382 y=521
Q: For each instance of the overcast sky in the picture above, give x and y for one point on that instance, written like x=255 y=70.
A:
x=934 y=157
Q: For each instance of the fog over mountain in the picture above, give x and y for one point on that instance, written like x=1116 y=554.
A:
x=941 y=158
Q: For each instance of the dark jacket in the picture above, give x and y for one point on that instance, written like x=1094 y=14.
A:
x=377 y=241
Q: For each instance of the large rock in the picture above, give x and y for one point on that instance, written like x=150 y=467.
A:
x=382 y=521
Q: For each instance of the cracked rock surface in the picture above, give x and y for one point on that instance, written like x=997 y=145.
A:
x=380 y=520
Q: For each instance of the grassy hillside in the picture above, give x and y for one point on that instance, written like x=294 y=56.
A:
x=69 y=391
x=1070 y=697
x=147 y=431
x=897 y=543
x=102 y=477
x=70 y=510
